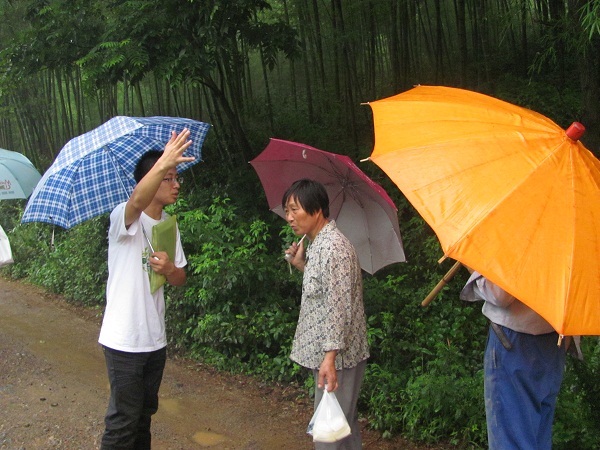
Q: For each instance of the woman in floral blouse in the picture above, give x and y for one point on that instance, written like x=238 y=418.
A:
x=331 y=335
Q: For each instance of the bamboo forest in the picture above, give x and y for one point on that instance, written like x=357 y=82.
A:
x=302 y=71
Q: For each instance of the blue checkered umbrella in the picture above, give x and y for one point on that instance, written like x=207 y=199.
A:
x=93 y=172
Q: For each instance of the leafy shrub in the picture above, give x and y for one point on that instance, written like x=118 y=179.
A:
x=68 y=262
x=26 y=241
x=446 y=401
x=382 y=395
x=30 y=245
x=239 y=306
x=577 y=421
x=77 y=266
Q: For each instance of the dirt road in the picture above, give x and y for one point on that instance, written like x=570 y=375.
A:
x=54 y=389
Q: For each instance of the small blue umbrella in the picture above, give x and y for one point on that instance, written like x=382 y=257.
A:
x=18 y=177
x=93 y=172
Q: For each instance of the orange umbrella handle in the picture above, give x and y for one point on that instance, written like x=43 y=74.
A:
x=445 y=279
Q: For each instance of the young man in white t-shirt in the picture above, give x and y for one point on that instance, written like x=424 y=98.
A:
x=133 y=329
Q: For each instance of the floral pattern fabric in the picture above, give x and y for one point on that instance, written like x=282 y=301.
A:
x=332 y=313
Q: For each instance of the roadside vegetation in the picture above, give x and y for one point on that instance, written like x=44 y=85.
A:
x=296 y=70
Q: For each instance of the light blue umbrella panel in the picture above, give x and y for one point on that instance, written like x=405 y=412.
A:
x=18 y=177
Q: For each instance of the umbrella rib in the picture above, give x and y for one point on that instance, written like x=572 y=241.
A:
x=117 y=167
x=348 y=186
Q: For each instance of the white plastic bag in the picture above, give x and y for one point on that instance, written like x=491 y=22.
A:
x=5 y=251
x=328 y=423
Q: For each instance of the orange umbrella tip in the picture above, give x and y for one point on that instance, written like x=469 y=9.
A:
x=575 y=131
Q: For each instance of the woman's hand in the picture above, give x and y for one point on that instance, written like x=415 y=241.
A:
x=296 y=255
x=327 y=373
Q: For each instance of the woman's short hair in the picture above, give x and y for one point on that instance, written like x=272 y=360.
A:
x=310 y=194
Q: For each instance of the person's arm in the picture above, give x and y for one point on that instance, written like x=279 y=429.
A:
x=145 y=190
x=337 y=289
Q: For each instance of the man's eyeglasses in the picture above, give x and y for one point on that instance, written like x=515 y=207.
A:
x=178 y=180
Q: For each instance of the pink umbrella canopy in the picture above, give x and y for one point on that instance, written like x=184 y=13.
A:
x=361 y=208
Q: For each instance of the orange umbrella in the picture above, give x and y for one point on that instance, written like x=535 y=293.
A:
x=507 y=192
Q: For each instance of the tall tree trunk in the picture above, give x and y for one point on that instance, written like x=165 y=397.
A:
x=336 y=52
x=480 y=39
x=394 y=38
x=47 y=82
x=248 y=92
x=306 y=65
x=233 y=120
x=461 y=31
x=78 y=100
x=371 y=55
x=219 y=128
x=267 y=92
x=65 y=103
x=292 y=61
x=439 y=42
x=126 y=110
x=589 y=79
x=234 y=75
x=140 y=99
x=351 y=85
x=309 y=39
x=409 y=49
x=318 y=41
x=158 y=94
x=524 y=40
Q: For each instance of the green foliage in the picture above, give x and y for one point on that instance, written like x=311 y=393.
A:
x=423 y=378
x=77 y=267
x=111 y=61
x=590 y=19
x=443 y=404
x=29 y=243
x=72 y=263
x=445 y=401
x=238 y=310
x=183 y=39
x=577 y=422
x=382 y=395
x=60 y=23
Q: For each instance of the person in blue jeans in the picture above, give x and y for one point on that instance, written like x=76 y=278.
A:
x=523 y=369
x=133 y=328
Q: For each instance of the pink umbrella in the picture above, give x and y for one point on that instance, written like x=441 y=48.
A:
x=361 y=208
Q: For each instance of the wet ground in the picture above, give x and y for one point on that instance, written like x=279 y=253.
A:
x=54 y=389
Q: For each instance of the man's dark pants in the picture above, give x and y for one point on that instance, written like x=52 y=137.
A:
x=134 y=383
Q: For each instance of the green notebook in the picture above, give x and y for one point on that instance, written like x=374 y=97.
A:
x=164 y=239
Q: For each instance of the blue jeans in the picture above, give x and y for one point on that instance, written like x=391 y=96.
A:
x=521 y=386
x=134 y=382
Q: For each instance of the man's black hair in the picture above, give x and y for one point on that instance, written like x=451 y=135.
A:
x=310 y=194
x=146 y=163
